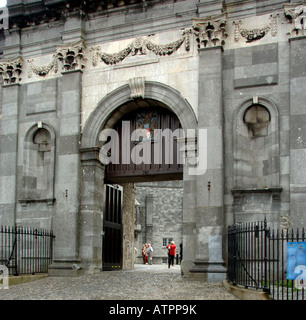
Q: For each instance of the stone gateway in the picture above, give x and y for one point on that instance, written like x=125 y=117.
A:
x=72 y=71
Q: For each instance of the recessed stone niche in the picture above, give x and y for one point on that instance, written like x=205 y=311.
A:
x=257 y=119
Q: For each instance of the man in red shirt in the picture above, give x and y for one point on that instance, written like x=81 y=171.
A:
x=171 y=253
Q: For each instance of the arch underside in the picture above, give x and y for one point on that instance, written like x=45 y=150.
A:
x=148 y=134
x=117 y=104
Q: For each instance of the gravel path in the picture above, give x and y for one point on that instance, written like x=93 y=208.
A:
x=144 y=282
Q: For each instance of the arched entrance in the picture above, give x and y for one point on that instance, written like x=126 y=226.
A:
x=141 y=147
x=114 y=107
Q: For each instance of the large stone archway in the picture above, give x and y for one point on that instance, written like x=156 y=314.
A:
x=107 y=113
x=152 y=90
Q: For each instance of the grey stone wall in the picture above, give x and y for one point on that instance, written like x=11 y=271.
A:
x=164 y=203
x=297 y=131
x=271 y=62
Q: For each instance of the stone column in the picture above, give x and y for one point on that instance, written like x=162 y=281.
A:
x=66 y=219
x=92 y=203
x=209 y=263
x=189 y=211
x=8 y=153
x=10 y=76
x=149 y=218
x=297 y=130
x=128 y=214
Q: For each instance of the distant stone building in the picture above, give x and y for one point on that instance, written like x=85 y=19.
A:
x=227 y=77
x=159 y=217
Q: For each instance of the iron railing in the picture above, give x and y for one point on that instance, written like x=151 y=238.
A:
x=25 y=250
x=257 y=258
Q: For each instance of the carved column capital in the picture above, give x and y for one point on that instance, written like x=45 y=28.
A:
x=11 y=70
x=72 y=55
x=210 y=31
x=296 y=14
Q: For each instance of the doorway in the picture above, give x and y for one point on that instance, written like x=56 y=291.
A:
x=110 y=110
x=147 y=138
x=112 y=227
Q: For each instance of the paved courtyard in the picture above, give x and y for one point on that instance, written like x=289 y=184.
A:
x=144 y=282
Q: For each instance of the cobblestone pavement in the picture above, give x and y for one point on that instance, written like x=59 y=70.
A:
x=144 y=282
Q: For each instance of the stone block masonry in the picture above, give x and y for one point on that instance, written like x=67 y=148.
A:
x=166 y=200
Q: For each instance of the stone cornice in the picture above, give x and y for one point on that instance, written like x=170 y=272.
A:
x=27 y=14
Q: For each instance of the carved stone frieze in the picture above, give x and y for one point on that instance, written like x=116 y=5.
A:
x=72 y=55
x=42 y=70
x=141 y=45
x=210 y=31
x=255 y=33
x=163 y=50
x=11 y=71
x=296 y=14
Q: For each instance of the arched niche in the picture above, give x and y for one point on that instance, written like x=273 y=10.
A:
x=256 y=145
x=38 y=165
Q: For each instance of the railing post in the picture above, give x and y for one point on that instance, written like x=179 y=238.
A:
x=234 y=256
x=16 y=250
x=267 y=232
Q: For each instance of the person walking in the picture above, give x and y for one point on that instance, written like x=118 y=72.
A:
x=171 y=253
x=144 y=253
x=150 y=253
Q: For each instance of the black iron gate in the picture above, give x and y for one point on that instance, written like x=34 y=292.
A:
x=112 y=227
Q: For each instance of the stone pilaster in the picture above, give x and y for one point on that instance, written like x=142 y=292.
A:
x=297 y=131
x=10 y=76
x=66 y=219
x=91 y=218
x=8 y=153
x=209 y=263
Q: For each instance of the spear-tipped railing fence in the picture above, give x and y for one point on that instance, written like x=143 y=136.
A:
x=257 y=258
x=25 y=250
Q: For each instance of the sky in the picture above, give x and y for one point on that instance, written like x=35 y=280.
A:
x=2 y=3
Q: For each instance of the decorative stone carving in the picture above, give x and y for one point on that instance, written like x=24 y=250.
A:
x=11 y=70
x=42 y=70
x=163 y=50
x=210 y=31
x=296 y=14
x=256 y=33
x=137 y=86
x=257 y=119
x=72 y=55
x=140 y=46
